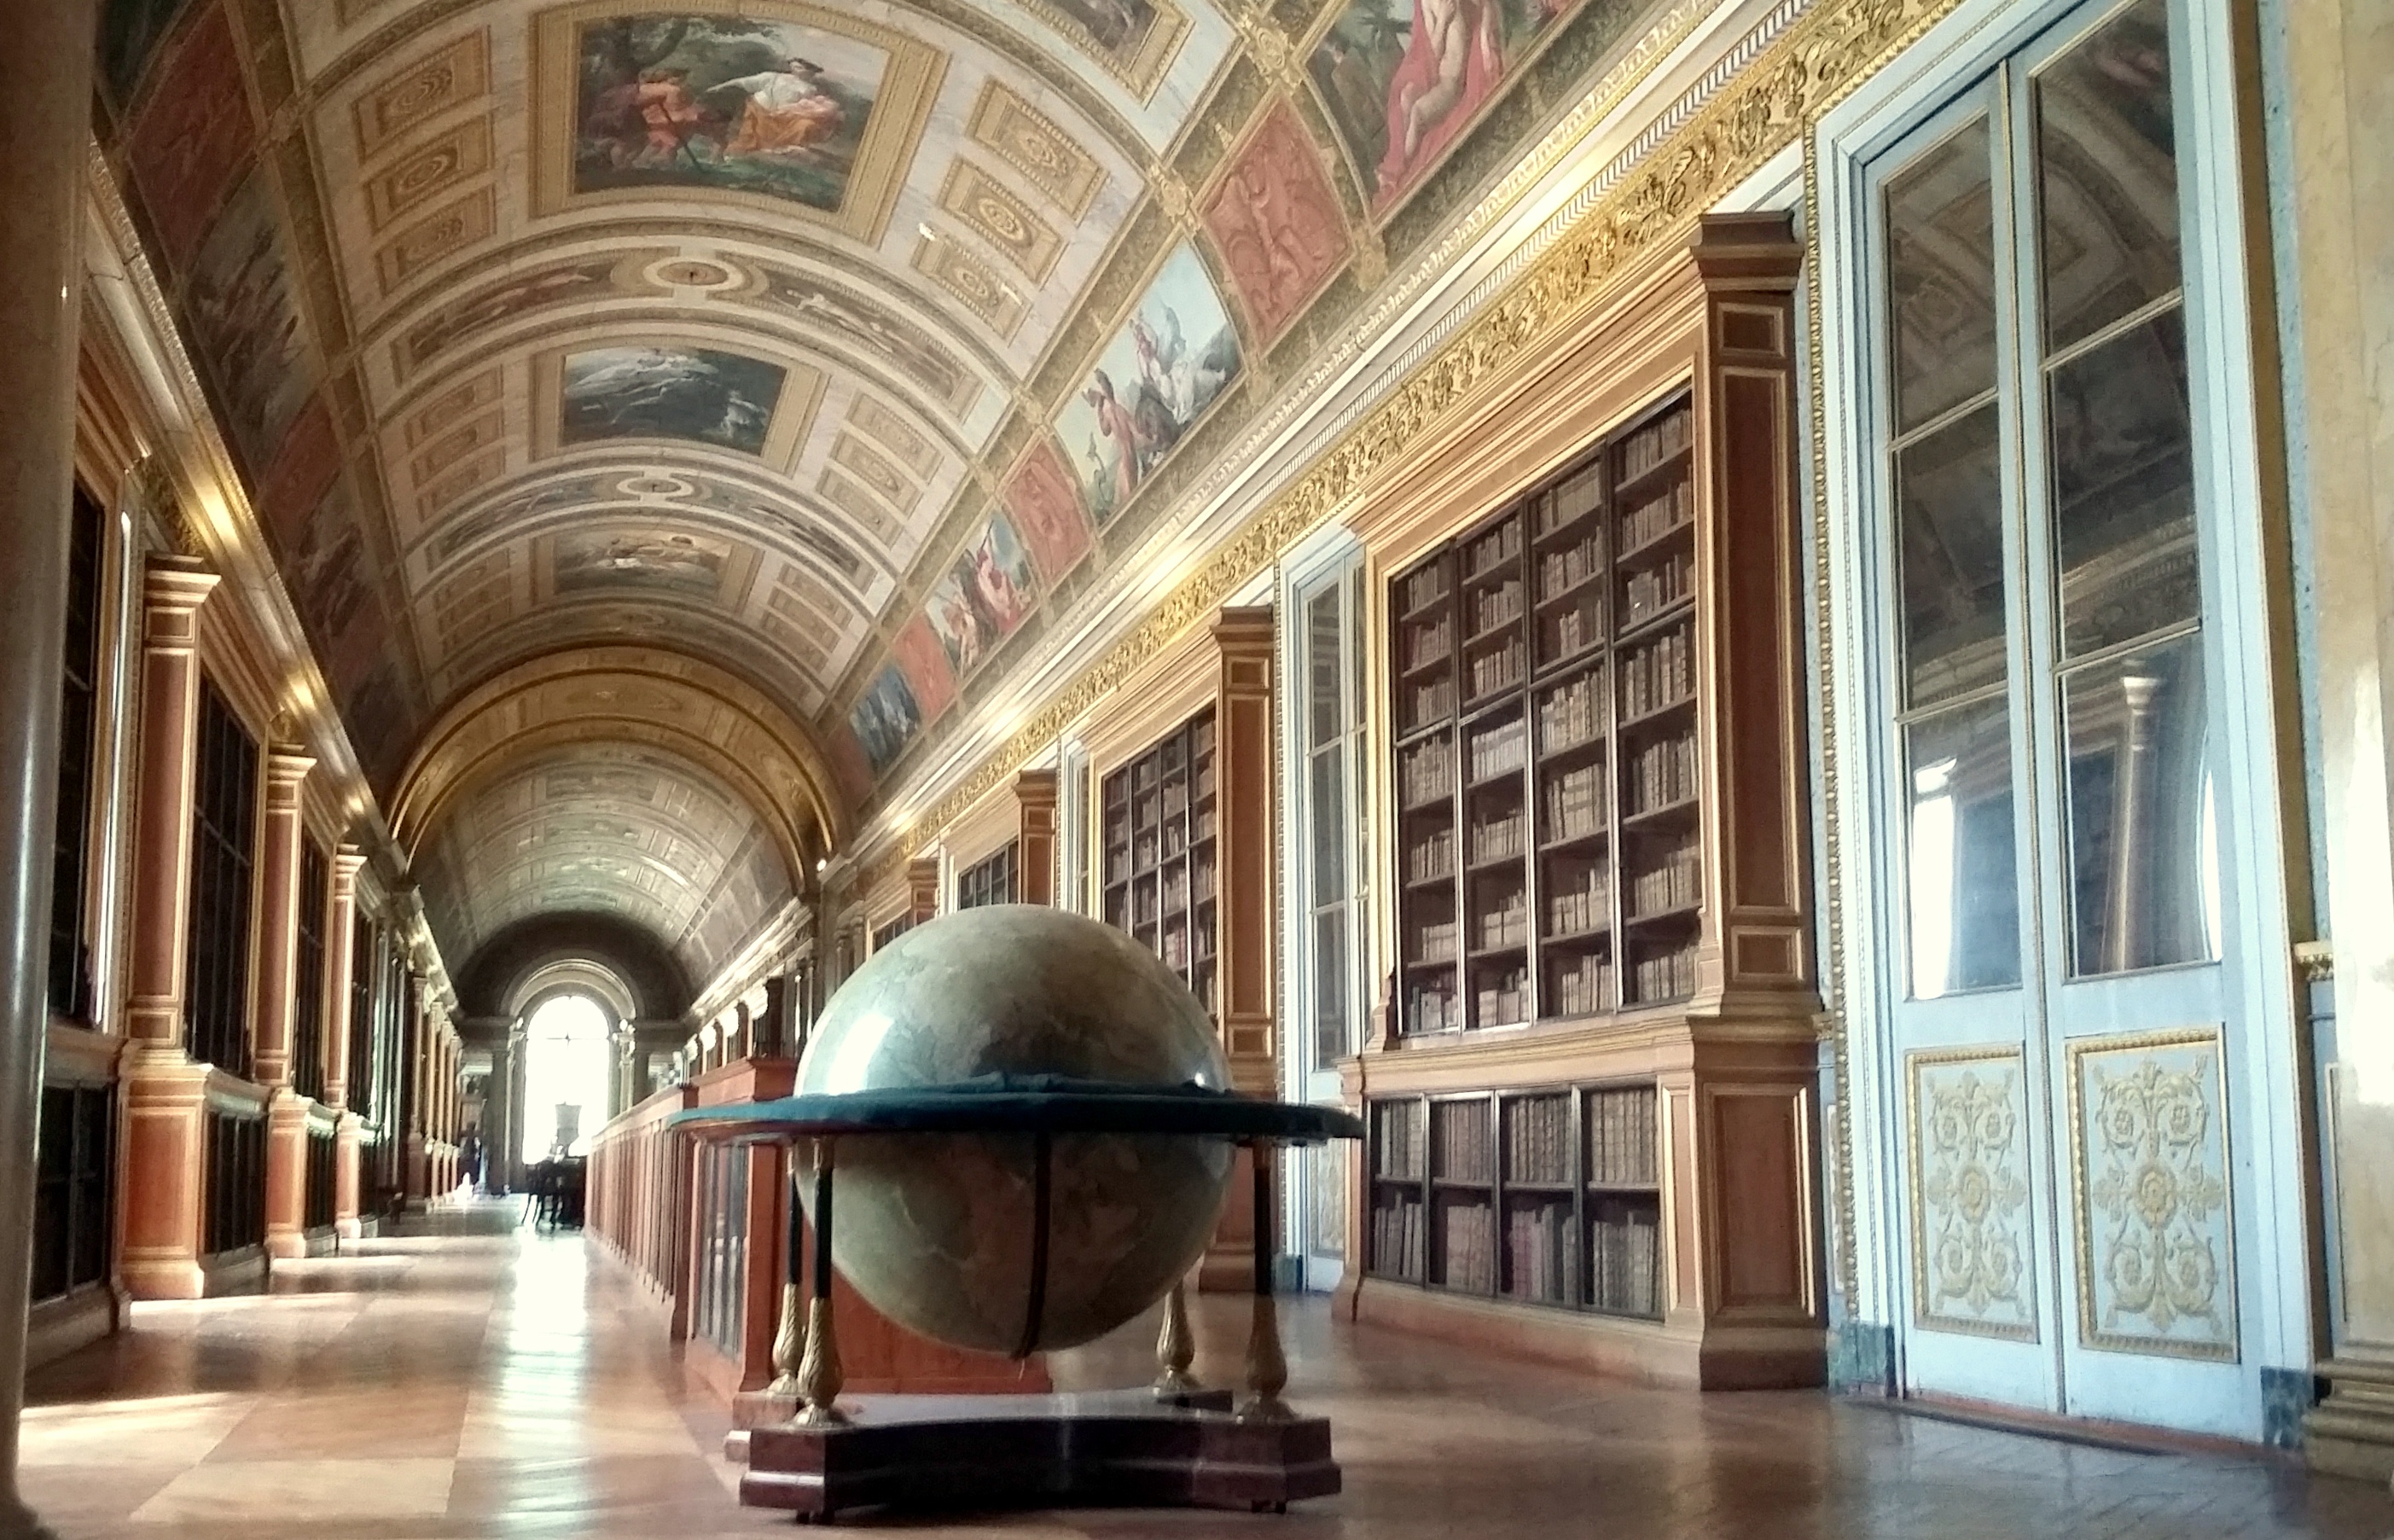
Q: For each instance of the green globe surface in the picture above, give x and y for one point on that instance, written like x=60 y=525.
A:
x=937 y=1230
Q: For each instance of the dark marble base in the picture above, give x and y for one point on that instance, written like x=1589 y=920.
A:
x=1112 y=1449
x=1862 y=1358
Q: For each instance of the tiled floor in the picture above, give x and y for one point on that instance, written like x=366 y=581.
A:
x=488 y=1383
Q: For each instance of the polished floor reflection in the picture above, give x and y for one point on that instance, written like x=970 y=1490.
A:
x=475 y=1381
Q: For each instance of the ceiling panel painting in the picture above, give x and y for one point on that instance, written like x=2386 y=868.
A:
x=816 y=346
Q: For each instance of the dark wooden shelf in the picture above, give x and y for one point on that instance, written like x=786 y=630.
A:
x=1582 y=586
x=1676 y=914
x=1669 y=812
x=1625 y=490
x=1643 y=719
x=1570 y=843
x=1646 y=626
x=1647 y=549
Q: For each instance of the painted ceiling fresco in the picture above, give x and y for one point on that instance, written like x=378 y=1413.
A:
x=635 y=833
x=841 y=346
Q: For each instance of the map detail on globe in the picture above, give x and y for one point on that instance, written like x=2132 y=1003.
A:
x=937 y=1231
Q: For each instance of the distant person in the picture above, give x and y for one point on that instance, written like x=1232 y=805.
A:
x=469 y=1160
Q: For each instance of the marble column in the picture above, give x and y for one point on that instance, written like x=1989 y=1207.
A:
x=2336 y=230
x=276 y=1005
x=44 y=124
x=340 y=948
x=1245 y=832
x=1034 y=853
x=165 y=1129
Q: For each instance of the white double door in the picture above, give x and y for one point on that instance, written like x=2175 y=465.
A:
x=2053 y=784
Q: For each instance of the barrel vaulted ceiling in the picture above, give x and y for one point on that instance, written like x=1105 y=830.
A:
x=832 y=346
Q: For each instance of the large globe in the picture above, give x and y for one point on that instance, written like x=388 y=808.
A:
x=937 y=1230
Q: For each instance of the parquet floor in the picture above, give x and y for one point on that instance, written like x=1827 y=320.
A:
x=498 y=1384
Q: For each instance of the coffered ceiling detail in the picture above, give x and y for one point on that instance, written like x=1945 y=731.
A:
x=827 y=350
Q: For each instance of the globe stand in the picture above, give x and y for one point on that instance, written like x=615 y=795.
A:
x=1124 y=1448
x=790 y=1335
x=1174 y=1349
x=1266 y=1365
x=818 y=1372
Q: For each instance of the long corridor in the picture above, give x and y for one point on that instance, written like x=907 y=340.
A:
x=478 y=1380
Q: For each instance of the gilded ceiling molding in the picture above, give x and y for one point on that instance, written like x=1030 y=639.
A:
x=637 y=694
x=1808 y=71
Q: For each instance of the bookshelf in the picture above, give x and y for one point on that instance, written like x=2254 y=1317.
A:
x=1546 y=732
x=1549 y=1196
x=992 y=880
x=1160 y=826
x=1592 y=1098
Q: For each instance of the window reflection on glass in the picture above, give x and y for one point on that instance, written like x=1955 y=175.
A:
x=1329 y=828
x=1949 y=514
x=1963 y=890
x=1942 y=277
x=2123 y=487
x=1329 y=988
x=2107 y=176
x=2144 y=864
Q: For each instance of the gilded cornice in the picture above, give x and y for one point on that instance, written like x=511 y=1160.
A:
x=1808 y=71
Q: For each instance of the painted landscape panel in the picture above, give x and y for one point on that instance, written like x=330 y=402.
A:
x=725 y=104
x=649 y=392
x=885 y=719
x=1173 y=357
x=984 y=598
x=654 y=561
x=1405 y=79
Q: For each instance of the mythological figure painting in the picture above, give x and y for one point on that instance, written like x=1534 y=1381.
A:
x=651 y=392
x=984 y=598
x=1405 y=79
x=656 y=561
x=885 y=718
x=245 y=320
x=722 y=102
x=1172 y=358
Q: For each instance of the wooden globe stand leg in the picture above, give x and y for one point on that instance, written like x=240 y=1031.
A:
x=1175 y=1349
x=1266 y=1365
x=790 y=1336
x=819 y=1371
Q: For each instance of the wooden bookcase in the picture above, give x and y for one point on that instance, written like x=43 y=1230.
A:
x=1549 y=1197
x=1546 y=715
x=1591 y=1098
x=1159 y=825
x=992 y=879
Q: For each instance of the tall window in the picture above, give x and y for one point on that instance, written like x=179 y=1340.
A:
x=1330 y=661
x=216 y=974
x=307 y=975
x=71 y=982
x=992 y=880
